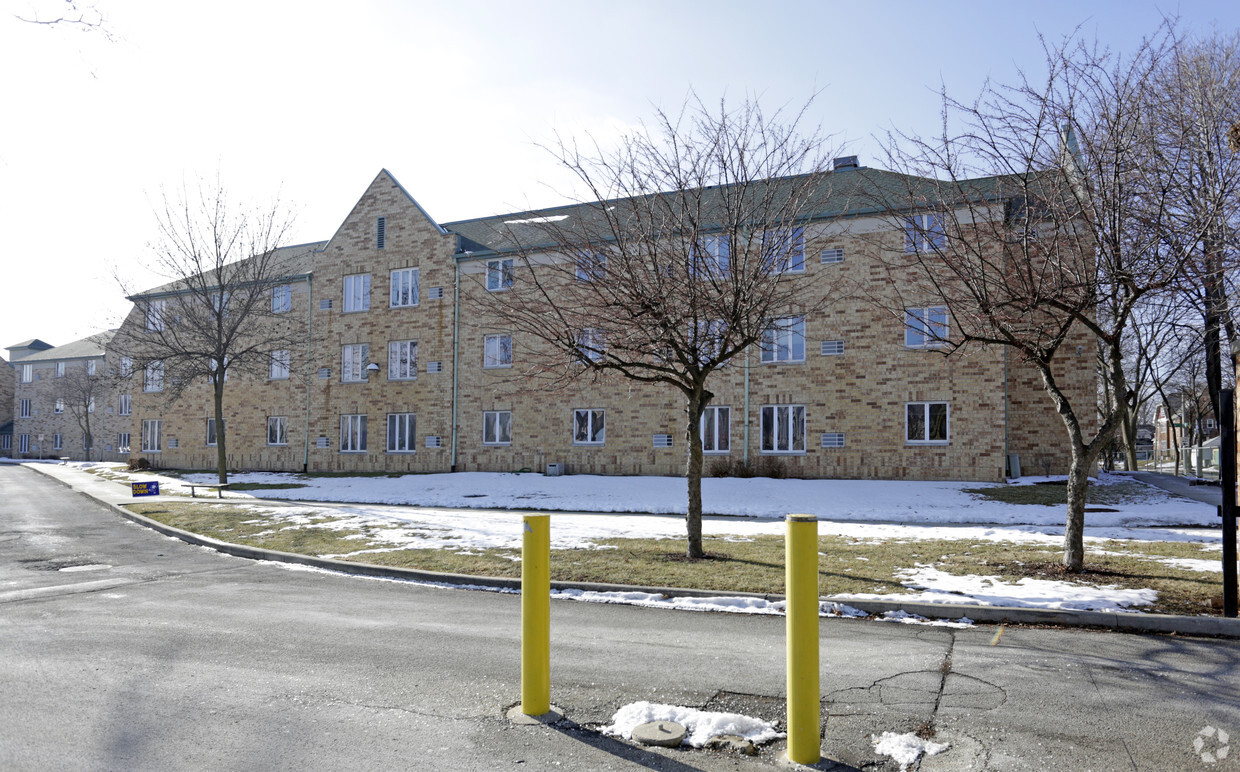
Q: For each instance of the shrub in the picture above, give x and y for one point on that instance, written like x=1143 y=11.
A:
x=138 y=464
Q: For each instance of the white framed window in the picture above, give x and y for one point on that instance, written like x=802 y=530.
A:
x=281 y=298
x=784 y=340
x=402 y=432
x=23 y=409
x=152 y=436
x=156 y=311
x=280 y=364
x=23 y=443
x=219 y=301
x=716 y=429
x=497 y=427
x=126 y=366
x=153 y=376
x=57 y=407
x=497 y=351
x=212 y=439
x=353 y=433
x=277 y=430
x=926 y=423
x=402 y=360
x=6 y=442
x=707 y=339
x=591 y=266
x=499 y=275
x=783 y=428
x=90 y=366
x=122 y=442
x=381 y=233
x=711 y=255
x=90 y=405
x=785 y=250
x=357 y=292
x=88 y=442
x=589 y=427
x=353 y=360
x=924 y=233
x=925 y=327
x=60 y=369
x=58 y=441
x=27 y=373
x=126 y=405
x=592 y=343
x=404 y=287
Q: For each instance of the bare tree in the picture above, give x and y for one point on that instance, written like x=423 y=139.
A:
x=1044 y=228
x=1195 y=113
x=225 y=310
x=675 y=263
x=70 y=14
x=79 y=391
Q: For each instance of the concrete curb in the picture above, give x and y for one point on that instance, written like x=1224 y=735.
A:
x=1127 y=622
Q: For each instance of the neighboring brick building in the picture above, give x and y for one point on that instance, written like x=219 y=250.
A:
x=8 y=384
x=53 y=403
x=394 y=288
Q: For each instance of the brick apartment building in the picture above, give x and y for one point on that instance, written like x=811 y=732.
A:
x=404 y=369
x=58 y=392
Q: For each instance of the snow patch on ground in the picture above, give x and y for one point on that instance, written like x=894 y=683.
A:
x=937 y=586
x=904 y=617
x=906 y=749
x=702 y=725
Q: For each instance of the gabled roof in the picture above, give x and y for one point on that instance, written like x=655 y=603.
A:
x=86 y=348
x=848 y=192
x=298 y=260
x=34 y=343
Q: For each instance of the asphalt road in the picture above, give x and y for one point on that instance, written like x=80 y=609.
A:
x=121 y=649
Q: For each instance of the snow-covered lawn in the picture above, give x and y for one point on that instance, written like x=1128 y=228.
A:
x=467 y=512
x=837 y=500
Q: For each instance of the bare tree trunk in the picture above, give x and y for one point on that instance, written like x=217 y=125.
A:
x=1078 y=488
x=87 y=440
x=221 y=450
x=1130 y=438
x=1215 y=302
x=693 y=471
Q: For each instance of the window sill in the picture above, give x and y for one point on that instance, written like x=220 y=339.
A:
x=401 y=452
x=781 y=452
x=496 y=444
x=927 y=443
x=407 y=305
x=396 y=380
x=277 y=444
x=352 y=452
x=497 y=367
x=355 y=311
x=588 y=444
x=716 y=452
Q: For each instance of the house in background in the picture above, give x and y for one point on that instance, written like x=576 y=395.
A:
x=8 y=383
x=59 y=392
x=1189 y=422
x=407 y=370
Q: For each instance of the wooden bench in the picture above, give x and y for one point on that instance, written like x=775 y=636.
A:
x=217 y=487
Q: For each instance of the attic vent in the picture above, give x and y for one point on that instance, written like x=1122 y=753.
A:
x=321 y=442
x=663 y=440
x=434 y=367
x=833 y=440
x=434 y=441
x=173 y=442
x=325 y=304
x=325 y=372
x=436 y=293
x=832 y=347
x=845 y=162
x=832 y=256
x=381 y=233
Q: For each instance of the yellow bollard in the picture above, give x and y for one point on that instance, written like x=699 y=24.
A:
x=804 y=706
x=536 y=616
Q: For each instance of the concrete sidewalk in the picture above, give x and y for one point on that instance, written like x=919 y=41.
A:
x=1182 y=486
x=116 y=495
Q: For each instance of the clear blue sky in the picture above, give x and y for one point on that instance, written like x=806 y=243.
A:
x=308 y=100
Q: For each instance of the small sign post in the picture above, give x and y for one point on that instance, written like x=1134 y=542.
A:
x=145 y=488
